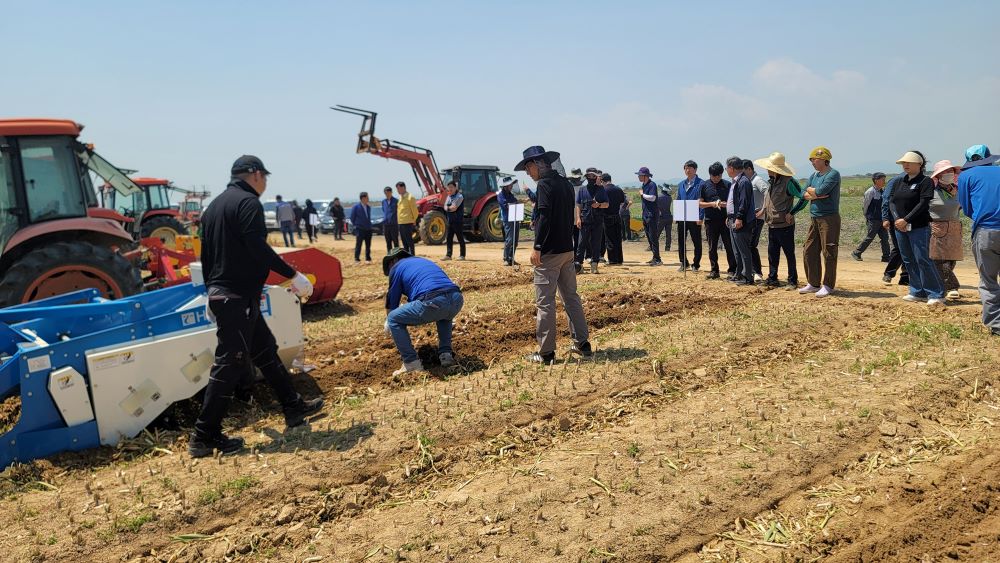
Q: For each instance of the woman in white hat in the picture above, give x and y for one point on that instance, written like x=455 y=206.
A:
x=946 y=225
x=909 y=211
x=778 y=211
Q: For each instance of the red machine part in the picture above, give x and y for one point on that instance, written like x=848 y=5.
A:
x=322 y=269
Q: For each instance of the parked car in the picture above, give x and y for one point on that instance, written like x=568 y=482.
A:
x=377 y=219
x=269 y=217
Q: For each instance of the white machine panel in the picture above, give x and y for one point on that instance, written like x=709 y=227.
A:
x=69 y=392
x=134 y=383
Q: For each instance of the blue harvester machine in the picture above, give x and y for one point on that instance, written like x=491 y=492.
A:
x=92 y=372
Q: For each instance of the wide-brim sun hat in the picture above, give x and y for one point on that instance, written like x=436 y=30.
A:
x=775 y=162
x=534 y=153
x=942 y=166
x=979 y=155
x=393 y=256
x=643 y=171
x=910 y=157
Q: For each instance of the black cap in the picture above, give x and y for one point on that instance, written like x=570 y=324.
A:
x=606 y=177
x=878 y=176
x=248 y=164
x=692 y=164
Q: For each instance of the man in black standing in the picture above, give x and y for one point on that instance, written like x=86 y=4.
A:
x=665 y=223
x=591 y=202
x=236 y=261
x=390 y=226
x=650 y=212
x=714 y=194
x=337 y=212
x=613 y=220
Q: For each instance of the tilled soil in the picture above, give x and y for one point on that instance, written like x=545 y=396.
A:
x=714 y=424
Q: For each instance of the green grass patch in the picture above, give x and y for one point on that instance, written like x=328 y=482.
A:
x=231 y=489
x=930 y=331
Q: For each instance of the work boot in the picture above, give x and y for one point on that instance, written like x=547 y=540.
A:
x=447 y=360
x=856 y=255
x=296 y=415
x=415 y=365
x=713 y=275
x=539 y=358
x=593 y=267
x=582 y=349
x=222 y=443
x=887 y=280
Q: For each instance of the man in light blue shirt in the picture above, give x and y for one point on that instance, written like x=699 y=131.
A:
x=819 y=253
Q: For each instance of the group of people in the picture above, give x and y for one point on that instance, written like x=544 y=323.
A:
x=399 y=222
x=290 y=216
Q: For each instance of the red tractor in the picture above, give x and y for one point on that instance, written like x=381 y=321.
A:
x=154 y=215
x=478 y=184
x=54 y=238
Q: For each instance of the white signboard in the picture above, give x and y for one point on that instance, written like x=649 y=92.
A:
x=515 y=212
x=686 y=210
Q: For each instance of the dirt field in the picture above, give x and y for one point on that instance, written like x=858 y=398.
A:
x=715 y=423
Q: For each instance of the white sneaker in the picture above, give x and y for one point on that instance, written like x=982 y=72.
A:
x=824 y=292
x=415 y=365
x=808 y=289
x=757 y=278
x=954 y=294
x=912 y=298
x=935 y=302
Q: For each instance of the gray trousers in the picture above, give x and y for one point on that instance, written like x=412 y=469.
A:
x=986 y=249
x=557 y=272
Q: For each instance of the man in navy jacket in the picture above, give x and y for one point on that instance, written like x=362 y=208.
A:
x=742 y=216
x=361 y=218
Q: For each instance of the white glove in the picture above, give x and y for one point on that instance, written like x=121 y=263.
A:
x=301 y=286
x=209 y=313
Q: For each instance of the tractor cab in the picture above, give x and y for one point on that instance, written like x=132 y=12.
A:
x=155 y=216
x=53 y=237
x=478 y=183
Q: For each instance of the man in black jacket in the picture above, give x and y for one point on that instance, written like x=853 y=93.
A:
x=613 y=220
x=552 y=256
x=740 y=214
x=236 y=261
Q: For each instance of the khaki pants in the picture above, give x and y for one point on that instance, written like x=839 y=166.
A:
x=822 y=240
x=557 y=272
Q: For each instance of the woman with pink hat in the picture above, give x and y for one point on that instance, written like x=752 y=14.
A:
x=946 y=225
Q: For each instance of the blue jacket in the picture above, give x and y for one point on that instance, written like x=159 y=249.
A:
x=979 y=196
x=887 y=210
x=505 y=198
x=361 y=216
x=389 y=211
x=585 y=199
x=415 y=277
x=649 y=209
x=743 y=204
x=694 y=193
x=663 y=201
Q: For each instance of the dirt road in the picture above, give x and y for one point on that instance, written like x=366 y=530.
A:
x=715 y=423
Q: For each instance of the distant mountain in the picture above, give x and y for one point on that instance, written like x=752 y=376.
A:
x=868 y=168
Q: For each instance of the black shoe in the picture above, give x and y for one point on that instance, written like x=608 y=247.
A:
x=681 y=268
x=772 y=282
x=737 y=279
x=221 y=443
x=539 y=358
x=887 y=279
x=712 y=276
x=296 y=415
x=695 y=268
x=885 y=259
x=582 y=349
x=856 y=255
x=745 y=282
x=904 y=280
x=579 y=267
x=995 y=331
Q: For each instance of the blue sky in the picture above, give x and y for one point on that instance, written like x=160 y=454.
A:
x=179 y=89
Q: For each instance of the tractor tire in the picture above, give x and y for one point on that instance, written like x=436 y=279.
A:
x=67 y=266
x=165 y=228
x=433 y=227
x=490 y=226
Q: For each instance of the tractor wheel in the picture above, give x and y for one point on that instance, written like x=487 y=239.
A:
x=165 y=228
x=62 y=267
x=433 y=227
x=490 y=226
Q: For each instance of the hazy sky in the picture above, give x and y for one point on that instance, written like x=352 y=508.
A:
x=181 y=88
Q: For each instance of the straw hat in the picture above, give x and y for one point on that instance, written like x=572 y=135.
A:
x=943 y=166
x=776 y=163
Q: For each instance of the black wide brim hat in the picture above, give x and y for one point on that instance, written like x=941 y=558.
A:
x=396 y=254
x=535 y=153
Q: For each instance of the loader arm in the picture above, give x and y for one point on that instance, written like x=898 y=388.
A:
x=420 y=159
